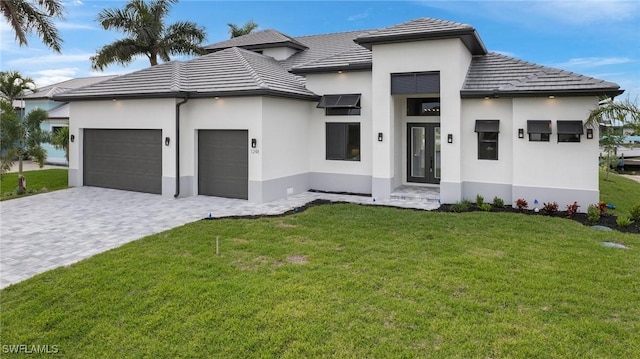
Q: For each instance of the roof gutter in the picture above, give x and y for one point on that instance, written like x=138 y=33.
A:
x=177 y=141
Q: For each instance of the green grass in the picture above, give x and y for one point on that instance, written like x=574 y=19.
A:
x=343 y=281
x=619 y=190
x=37 y=182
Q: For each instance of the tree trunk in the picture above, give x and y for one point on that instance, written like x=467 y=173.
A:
x=22 y=182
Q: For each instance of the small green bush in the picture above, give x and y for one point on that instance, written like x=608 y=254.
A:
x=485 y=207
x=634 y=212
x=593 y=213
x=624 y=221
x=479 y=200
x=462 y=206
x=498 y=202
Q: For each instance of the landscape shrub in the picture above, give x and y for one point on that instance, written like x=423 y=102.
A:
x=593 y=213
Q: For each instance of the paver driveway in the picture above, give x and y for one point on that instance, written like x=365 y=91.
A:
x=50 y=230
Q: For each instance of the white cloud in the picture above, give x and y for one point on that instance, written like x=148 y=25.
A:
x=50 y=59
x=360 y=16
x=589 y=62
x=63 y=25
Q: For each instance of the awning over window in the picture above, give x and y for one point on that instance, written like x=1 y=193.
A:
x=339 y=101
x=412 y=83
x=488 y=126
x=570 y=128
x=538 y=126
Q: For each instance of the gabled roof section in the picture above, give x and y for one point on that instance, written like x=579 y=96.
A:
x=232 y=71
x=47 y=92
x=495 y=75
x=357 y=58
x=60 y=112
x=425 y=29
x=258 y=40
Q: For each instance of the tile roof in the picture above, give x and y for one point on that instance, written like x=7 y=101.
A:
x=49 y=91
x=425 y=28
x=357 y=58
x=230 y=71
x=495 y=74
x=260 y=39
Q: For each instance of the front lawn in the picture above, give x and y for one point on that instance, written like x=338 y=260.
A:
x=620 y=191
x=37 y=182
x=343 y=281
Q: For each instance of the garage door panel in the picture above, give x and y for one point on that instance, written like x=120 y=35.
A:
x=123 y=159
x=223 y=163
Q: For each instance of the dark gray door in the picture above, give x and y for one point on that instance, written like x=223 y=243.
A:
x=123 y=159
x=223 y=163
x=423 y=152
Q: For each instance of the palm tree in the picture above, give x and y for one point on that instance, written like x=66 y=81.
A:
x=27 y=15
x=21 y=137
x=247 y=28
x=144 y=25
x=13 y=85
x=60 y=140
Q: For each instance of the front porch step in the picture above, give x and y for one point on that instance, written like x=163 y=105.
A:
x=417 y=193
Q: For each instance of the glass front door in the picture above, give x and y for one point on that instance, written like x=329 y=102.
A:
x=423 y=153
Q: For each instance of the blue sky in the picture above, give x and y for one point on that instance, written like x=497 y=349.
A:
x=599 y=38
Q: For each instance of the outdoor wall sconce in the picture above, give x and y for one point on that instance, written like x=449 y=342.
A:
x=450 y=138
x=589 y=133
x=254 y=143
x=521 y=133
x=167 y=140
x=72 y=138
x=379 y=136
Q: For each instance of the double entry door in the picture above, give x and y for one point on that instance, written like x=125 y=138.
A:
x=423 y=153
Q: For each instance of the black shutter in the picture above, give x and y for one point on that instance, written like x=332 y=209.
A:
x=413 y=83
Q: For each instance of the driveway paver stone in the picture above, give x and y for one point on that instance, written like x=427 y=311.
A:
x=46 y=231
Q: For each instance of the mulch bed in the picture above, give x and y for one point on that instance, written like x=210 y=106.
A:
x=606 y=220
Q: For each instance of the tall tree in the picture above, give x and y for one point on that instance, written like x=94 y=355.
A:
x=147 y=35
x=247 y=28
x=60 y=140
x=21 y=137
x=13 y=85
x=24 y=16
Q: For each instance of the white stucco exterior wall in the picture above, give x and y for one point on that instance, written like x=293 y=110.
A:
x=451 y=58
x=121 y=114
x=331 y=175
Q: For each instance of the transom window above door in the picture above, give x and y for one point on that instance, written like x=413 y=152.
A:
x=423 y=107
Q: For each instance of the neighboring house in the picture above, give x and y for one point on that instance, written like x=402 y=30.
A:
x=267 y=115
x=58 y=111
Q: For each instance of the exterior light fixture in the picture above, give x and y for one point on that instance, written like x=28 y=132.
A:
x=450 y=138
x=589 y=133
x=379 y=136
x=487 y=97
x=254 y=143
x=521 y=133
x=167 y=141
x=551 y=97
x=216 y=98
x=72 y=138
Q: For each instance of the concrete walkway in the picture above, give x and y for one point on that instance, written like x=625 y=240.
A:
x=49 y=230
x=33 y=166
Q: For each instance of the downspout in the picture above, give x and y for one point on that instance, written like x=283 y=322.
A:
x=177 y=142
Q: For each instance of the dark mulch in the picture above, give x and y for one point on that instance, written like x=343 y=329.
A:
x=606 y=220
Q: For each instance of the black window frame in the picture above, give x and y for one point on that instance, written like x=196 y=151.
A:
x=539 y=131
x=570 y=131
x=416 y=106
x=348 y=141
x=488 y=139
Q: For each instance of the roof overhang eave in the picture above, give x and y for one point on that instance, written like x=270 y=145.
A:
x=194 y=94
x=469 y=37
x=328 y=69
x=544 y=93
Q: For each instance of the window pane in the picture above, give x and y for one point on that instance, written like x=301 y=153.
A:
x=423 y=107
x=336 y=140
x=342 y=111
x=488 y=136
x=568 y=138
x=539 y=137
x=418 y=153
x=487 y=146
x=436 y=142
x=353 y=142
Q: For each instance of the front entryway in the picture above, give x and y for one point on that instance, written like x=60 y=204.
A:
x=423 y=153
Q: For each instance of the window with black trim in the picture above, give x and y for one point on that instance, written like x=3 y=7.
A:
x=570 y=131
x=343 y=141
x=488 y=131
x=423 y=107
x=340 y=105
x=539 y=131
